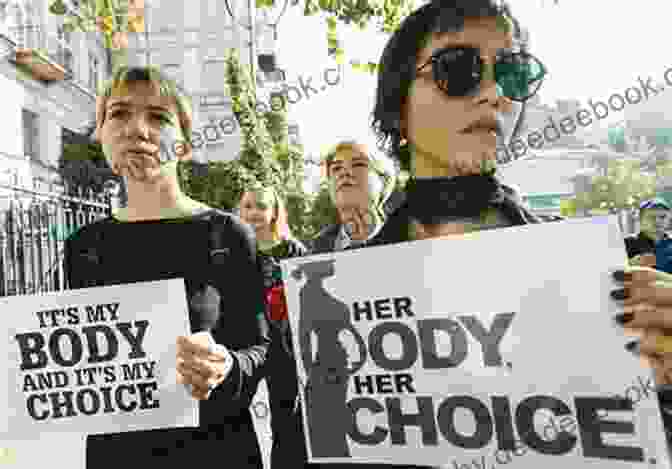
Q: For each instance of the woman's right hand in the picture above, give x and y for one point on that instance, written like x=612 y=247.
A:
x=644 y=260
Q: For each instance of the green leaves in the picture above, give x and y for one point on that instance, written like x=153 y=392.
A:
x=369 y=67
x=624 y=186
x=386 y=15
x=57 y=8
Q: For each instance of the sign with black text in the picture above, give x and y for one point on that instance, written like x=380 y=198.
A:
x=94 y=360
x=458 y=352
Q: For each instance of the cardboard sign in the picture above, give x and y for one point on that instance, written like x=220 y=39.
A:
x=260 y=409
x=94 y=360
x=473 y=351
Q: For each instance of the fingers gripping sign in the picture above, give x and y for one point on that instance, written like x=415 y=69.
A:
x=202 y=364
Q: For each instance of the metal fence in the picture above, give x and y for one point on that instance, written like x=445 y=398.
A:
x=33 y=229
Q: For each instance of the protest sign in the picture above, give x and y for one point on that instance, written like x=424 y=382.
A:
x=260 y=409
x=94 y=360
x=457 y=352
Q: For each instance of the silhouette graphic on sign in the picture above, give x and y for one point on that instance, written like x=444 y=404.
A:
x=328 y=375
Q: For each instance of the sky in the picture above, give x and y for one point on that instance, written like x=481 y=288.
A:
x=592 y=48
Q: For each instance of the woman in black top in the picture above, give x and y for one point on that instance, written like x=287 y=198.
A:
x=441 y=115
x=445 y=105
x=144 y=124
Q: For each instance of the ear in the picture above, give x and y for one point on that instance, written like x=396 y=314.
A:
x=403 y=125
x=100 y=117
x=182 y=151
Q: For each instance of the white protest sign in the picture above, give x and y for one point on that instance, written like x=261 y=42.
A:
x=94 y=360
x=260 y=409
x=459 y=352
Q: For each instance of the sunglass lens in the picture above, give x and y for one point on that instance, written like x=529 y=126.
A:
x=457 y=71
x=519 y=75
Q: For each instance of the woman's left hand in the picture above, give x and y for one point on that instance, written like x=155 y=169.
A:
x=655 y=347
x=647 y=309
x=201 y=365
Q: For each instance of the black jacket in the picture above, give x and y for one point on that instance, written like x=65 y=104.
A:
x=325 y=241
x=396 y=229
x=226 y=285
x=639 y=244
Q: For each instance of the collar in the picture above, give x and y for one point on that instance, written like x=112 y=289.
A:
x=343 y=239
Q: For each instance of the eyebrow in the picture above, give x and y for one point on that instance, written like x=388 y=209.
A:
x=356 y=159
x=126 y=104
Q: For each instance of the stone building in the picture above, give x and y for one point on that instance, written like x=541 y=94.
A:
x=48 y=83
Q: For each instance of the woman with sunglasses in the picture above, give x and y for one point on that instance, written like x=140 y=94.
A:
x=445 y=101
x=454 y=135
x=144 y=124
x=450 y=88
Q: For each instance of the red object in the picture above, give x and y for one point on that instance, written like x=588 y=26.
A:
x=275 y=298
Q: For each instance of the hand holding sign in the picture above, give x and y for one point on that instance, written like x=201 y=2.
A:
x=202 y=364
x=647 y=297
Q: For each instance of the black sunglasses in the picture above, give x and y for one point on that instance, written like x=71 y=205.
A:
x=458 y=71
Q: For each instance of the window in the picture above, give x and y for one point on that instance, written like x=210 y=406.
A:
x=64 y=49
x=212 y=79
x=31 y=134
x=93 y=72
x=174 y=71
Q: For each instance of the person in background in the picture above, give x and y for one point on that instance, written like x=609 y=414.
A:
x=358 y=187
x=652 y=239
x=143 y=121
x=264 y=210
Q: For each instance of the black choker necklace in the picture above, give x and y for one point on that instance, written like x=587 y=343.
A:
x=438 y=200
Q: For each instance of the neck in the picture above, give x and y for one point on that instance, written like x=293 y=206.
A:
x=265 y=236
x=425 y=165
x=155 y=201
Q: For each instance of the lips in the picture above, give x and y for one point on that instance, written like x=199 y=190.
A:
x=481 y=129
x=346 y=184
x=140 y=153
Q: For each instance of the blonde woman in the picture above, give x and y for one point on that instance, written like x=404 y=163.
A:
x=144 y=125
x=265 y=211
x=358 y=187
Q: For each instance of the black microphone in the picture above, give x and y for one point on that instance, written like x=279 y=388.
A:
x=204 y=309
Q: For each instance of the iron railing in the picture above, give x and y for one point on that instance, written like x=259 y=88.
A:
x=33 y=229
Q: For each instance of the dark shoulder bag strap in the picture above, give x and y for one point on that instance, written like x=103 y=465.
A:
x=87 y=260
x=220 y=249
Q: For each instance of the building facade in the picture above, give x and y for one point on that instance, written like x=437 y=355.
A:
x=188 y=41
x=48 y=81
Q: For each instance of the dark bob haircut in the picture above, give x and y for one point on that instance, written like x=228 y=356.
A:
x=398 y=62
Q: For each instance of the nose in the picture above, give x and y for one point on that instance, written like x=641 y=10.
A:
x=488 y=91
x=137 y=126
x=346 y=171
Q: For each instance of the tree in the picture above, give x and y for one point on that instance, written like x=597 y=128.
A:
x=266 y=158
x=624 y=187
x=82 y=164
x=116 y=18
x=113 y=18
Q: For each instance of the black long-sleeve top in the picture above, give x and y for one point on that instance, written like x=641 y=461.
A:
x=229 y=290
